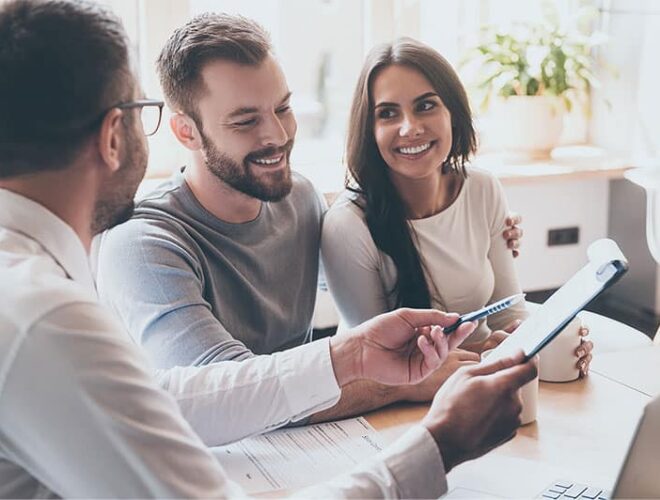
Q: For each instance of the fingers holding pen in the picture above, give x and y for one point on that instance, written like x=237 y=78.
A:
x=434 y=352
x=435 y=345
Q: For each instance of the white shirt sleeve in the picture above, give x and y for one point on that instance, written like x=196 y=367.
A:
x=410 y=468
x=231 y=400
x=81 y=414
x=79 y=411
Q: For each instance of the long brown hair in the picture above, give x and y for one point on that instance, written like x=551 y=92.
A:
x=369 y=174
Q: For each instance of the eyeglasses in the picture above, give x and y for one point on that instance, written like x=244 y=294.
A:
x=151 y=113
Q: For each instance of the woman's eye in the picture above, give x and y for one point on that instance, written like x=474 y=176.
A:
x=426 y=106
x=283 y=109
x=384 y=114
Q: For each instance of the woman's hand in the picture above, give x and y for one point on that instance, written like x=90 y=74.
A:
x=495 y=338
x=512 y=234
x=583 y=351
x=425 y=390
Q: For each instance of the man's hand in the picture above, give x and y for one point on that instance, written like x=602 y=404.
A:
x=512 y=234
x=395 y=348
x=478 y=408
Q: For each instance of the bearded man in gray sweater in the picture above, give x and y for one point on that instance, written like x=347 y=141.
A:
x=221 y=261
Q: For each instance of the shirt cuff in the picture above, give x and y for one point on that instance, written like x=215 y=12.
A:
x=415 y=462
x=308 y=378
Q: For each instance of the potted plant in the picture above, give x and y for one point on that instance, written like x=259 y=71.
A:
x=530 y=76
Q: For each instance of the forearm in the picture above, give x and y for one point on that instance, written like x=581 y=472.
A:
x=358 y=397
x=357 y=394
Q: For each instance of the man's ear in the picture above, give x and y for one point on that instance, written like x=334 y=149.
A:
x=185 y=130
x=110 y=139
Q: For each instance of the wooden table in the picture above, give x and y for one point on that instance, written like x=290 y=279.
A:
x=631 y=367
x=582 y=431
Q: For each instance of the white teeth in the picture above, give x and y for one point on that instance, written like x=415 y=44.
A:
x=268 y=161
x=415 y=150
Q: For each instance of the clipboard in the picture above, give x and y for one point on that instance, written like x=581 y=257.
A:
x=605 y=267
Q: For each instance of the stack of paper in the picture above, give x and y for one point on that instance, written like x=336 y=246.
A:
x=301 y=456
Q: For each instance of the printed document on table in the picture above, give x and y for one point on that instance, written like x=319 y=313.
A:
x=296 y=457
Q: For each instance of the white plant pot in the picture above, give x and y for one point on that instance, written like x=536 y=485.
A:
x=527 y=126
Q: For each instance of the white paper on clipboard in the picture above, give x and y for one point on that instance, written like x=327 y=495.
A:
x=606 y=265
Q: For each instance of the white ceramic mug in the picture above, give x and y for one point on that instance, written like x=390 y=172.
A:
x=558 y=362
x=529 y=395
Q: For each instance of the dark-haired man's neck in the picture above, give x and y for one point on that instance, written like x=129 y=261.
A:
x=217 y=197
x=66 y=193
x=425 y=197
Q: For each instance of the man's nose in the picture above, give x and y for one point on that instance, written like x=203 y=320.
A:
x=273 y=132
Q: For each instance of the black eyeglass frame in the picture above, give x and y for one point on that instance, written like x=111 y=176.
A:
x=141 y=103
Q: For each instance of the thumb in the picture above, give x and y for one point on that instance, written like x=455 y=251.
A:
x=496 y=365
x=513 y=378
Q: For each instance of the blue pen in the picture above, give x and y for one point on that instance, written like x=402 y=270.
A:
x=493 y=308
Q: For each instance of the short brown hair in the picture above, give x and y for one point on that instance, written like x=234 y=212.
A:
x=203 y=39
x=62 y=65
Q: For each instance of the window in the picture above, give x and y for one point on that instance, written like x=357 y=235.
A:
x=321 y=45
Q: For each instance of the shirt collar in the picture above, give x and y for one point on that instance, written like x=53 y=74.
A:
x=29 y=218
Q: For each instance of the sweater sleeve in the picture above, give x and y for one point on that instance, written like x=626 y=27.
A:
x=352 y=265
x=501 y=259
x=163 y=305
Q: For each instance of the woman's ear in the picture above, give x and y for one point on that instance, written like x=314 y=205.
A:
x=185 y=130
x=110 y=139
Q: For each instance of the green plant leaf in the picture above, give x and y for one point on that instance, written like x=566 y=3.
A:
x=511 y=63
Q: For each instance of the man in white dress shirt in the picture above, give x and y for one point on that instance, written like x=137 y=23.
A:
x=80 y=415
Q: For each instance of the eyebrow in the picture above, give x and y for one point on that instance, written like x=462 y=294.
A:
x=416 y=99
x=251 y=110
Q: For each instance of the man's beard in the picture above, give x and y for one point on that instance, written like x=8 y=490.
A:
x=110 y=214
x=116 y=204
x=269 y=186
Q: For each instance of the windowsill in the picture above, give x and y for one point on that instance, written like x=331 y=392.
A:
x=320 y=162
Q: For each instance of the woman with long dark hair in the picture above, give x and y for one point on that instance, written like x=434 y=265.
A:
x=416 y=226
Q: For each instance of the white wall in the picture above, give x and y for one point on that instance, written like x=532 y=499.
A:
x=553 y=205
